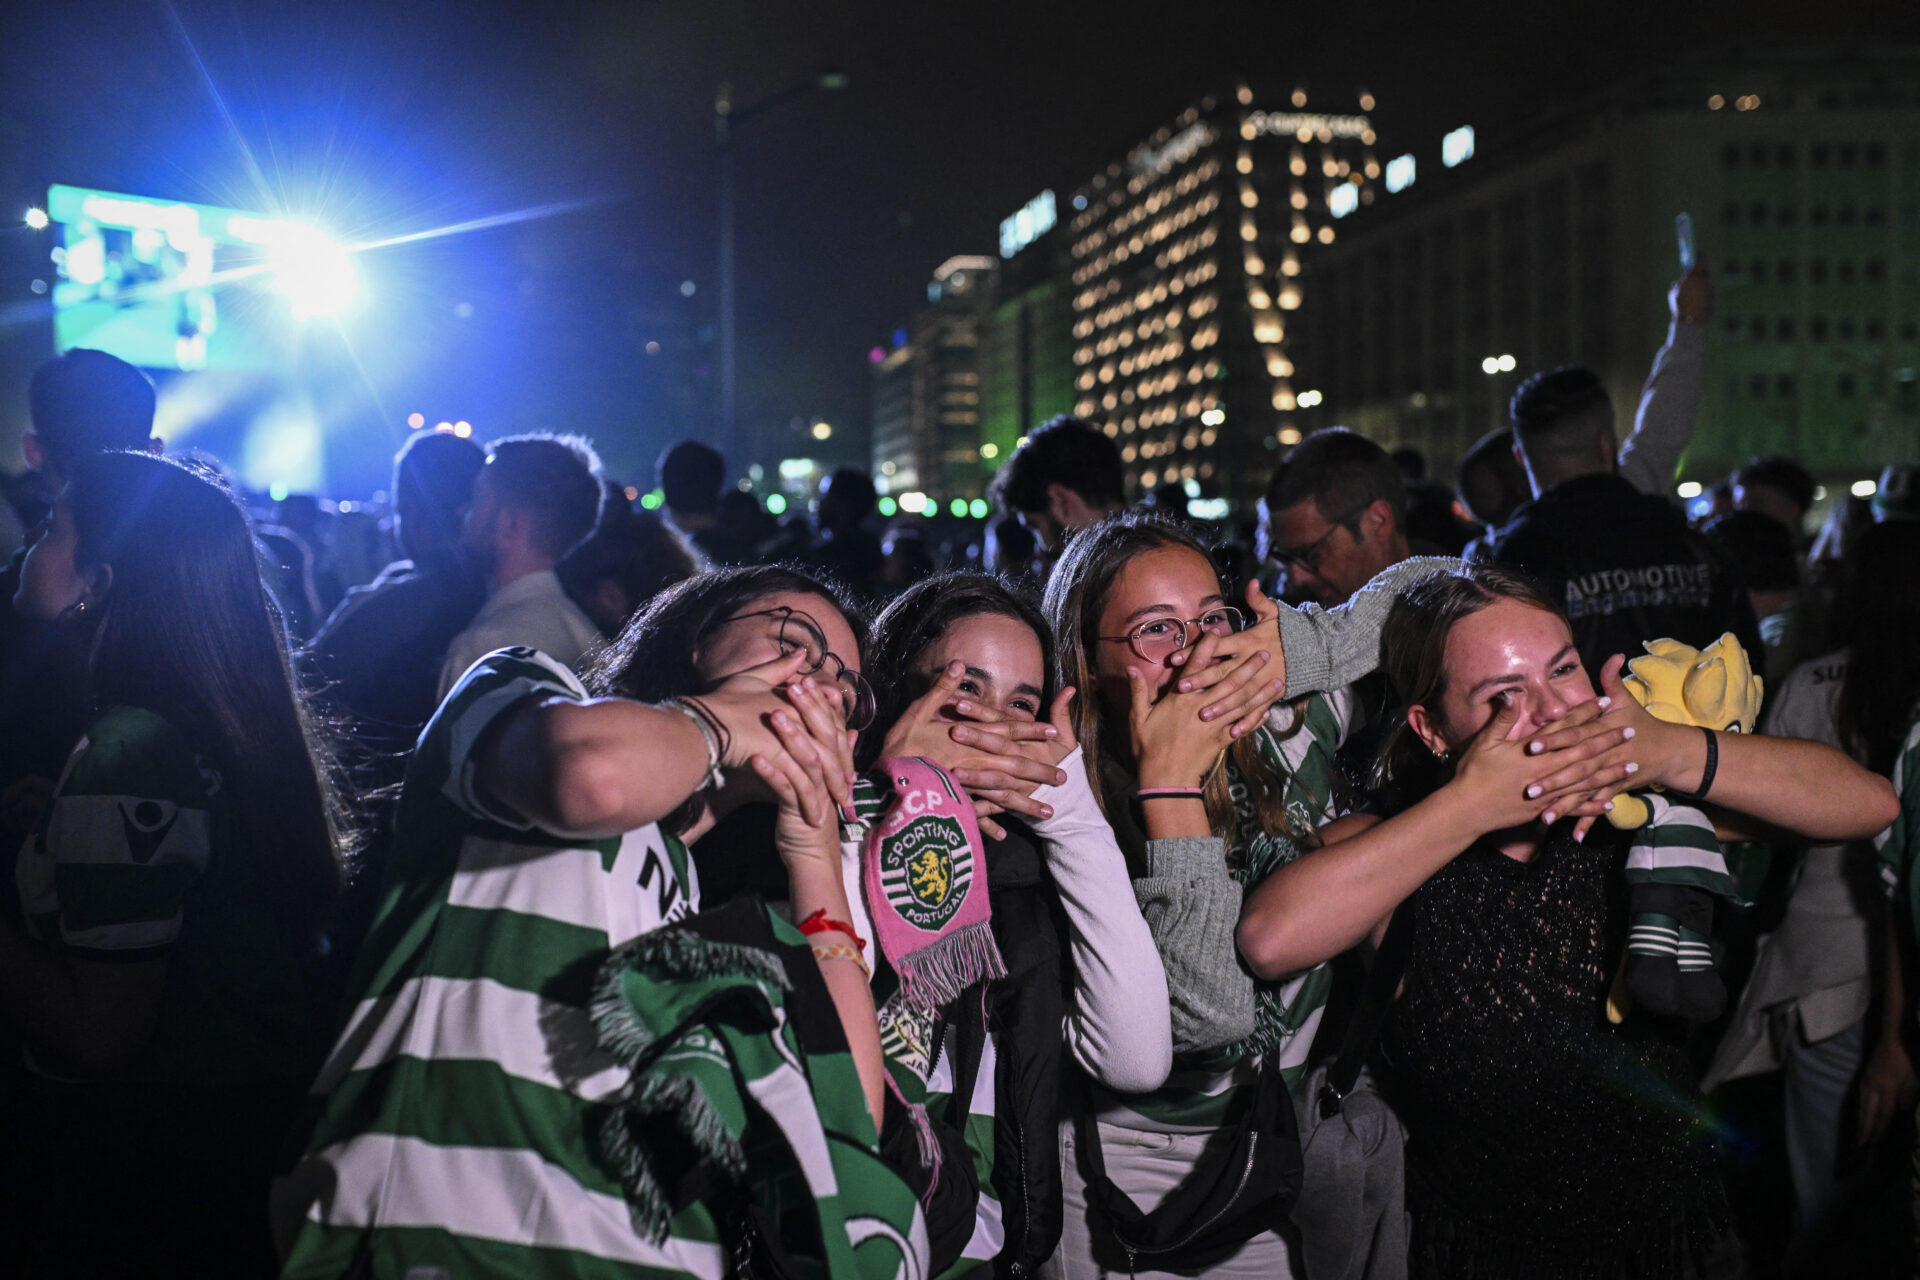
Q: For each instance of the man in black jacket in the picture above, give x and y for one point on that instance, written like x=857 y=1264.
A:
x=1623 y=563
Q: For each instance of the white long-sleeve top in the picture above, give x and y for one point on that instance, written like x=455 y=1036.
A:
x=1119 y=1025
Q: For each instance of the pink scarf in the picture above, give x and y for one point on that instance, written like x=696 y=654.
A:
x=926 y=886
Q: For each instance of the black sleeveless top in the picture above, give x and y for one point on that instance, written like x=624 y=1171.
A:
x=1545 y=1141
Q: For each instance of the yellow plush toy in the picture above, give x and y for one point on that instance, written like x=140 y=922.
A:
x=1676 y=866
x=1713 y=687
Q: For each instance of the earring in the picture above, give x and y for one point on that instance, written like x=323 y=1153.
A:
x=1443 y=756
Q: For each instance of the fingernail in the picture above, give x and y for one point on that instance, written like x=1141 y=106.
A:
x=1186 y=686
x=1579 y=837
x=1533 y=792
x=1626 y=733
x=1632 y=767
x=1052 y=732
x=1059 y=777
x=1206 y=713
x=1549 y=817
x=1605 y=703
x=1609 y=806
x=1535 y=748
x=1046 y=811
x=956 y=667
x=963 y=705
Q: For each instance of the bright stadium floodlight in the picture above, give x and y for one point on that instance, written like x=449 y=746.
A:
x=37 y=219
x=316 y=275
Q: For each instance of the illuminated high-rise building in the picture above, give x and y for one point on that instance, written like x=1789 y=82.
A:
x=926 y=407
x=1554 y=241
x=1026 y=347
x=1185 y=268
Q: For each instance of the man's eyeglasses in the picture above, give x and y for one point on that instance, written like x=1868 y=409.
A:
x=1158 y=639
x=799 y=631
x=1308 y=557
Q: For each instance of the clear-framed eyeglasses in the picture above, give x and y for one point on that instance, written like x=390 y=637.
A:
x=1158 y=639
x=799 y=631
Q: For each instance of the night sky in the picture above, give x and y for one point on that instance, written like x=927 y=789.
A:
x=384 y=119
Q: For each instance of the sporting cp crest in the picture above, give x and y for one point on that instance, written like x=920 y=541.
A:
x=926 y=869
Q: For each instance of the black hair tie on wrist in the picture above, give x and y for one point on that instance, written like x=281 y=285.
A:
x=1713 y=763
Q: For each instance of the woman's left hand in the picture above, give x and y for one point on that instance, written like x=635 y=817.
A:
x=1049 y=741
x=807 y=831
x=820 y=710
x=1262 y=635
x=1656 y=748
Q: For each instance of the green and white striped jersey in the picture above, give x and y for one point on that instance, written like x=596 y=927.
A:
x=458 y=1114
x=137 y=858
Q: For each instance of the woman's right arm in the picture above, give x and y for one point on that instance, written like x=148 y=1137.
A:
x=601 y=768
x=1190 y=902
x=1117 y=1025
x=1326 y=901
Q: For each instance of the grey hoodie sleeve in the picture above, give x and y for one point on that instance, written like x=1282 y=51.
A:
x=1663 y=424
x=1192 y=907
x=1327 y=649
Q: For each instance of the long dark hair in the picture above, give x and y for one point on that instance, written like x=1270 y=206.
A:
x=1076 y=595
x=1881 y=611
x=187 y=631
x=652 y=658
x=917 y=618
x=1413 y=653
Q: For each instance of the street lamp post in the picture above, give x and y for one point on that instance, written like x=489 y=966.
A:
x=726 y=117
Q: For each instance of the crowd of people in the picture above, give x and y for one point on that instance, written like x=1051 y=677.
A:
x=1395 y=886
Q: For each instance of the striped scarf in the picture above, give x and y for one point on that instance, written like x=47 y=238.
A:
x=741 y=1074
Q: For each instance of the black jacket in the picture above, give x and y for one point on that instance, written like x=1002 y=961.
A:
x=1626 y=567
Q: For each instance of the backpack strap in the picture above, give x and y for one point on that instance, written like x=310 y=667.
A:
x=1389 y=963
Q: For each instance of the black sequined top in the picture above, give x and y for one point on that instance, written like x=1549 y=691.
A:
x=1546 y=1141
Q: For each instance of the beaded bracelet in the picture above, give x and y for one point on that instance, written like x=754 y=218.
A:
x=702 y=720
x=841 y=951
x=821 y=922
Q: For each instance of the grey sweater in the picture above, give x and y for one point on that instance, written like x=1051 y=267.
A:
x=1190 y=902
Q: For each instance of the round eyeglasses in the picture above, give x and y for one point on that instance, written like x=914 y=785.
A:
x=1158 y=639
x=800 y=631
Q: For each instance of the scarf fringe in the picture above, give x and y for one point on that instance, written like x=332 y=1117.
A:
x=935 y=975
x=926 y=1145
x=654 y=1098
x=678 y=1103
x=666 y=955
